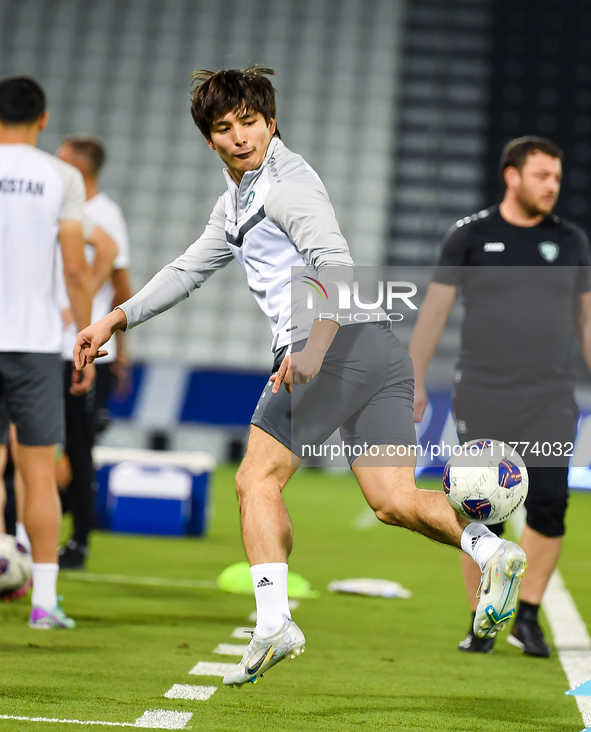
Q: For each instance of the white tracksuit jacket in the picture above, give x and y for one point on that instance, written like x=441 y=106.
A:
x=279 y=218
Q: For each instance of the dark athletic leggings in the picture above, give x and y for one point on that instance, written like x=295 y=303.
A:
x=81 y=414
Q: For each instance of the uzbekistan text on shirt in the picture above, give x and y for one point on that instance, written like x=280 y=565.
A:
x=21 y=185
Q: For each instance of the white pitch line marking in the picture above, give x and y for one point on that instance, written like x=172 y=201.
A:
x=162 y=719
x=245 y=633
x=206 y=668
x=194 y=693
x=121 y=579
x=229 y=649
x=66 y=721
x=570 y=637
x=570 y=633
x=151 y=719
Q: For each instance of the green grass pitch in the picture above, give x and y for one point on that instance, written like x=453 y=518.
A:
x=371 y=664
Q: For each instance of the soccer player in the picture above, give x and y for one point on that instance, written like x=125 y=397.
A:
x=102 y=214
x=41 y=200
x=525 y=281
x=275 y=216
x=4 y=425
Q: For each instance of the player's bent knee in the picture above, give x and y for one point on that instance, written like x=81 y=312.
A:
x=547 y=516
x=249 y=480
x=547 y=523
x=547 y=500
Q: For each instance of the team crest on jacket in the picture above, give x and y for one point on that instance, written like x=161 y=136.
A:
x=249 y=202
x=548 y=250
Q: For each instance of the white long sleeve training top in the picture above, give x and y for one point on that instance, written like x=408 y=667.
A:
x=278 y=218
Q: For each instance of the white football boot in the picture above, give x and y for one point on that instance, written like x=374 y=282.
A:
x=264 y=652
x=499 y=589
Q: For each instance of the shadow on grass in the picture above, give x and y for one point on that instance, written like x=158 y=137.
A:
x=426 y=713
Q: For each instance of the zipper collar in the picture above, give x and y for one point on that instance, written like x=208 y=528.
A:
x=241 y=192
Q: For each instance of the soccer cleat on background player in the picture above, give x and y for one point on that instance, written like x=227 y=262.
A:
x=73 y=556
x=264 y=652
x=527 y=635
x=50 y=619
x=472 y=644
x=499 y=589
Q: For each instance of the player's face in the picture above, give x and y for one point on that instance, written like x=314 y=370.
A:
x=539 y=184
x=241 y=141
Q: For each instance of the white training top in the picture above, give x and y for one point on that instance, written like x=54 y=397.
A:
x=37 y=190
x=279 y=218
x=104 y=212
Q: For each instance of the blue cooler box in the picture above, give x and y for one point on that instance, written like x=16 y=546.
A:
x=152 y=492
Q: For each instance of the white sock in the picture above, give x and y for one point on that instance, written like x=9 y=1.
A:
x=480 y=543
x=22 y=537
x=270 y=592
x=45 y=586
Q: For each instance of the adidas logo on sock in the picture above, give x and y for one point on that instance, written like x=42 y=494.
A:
x=264 y=583
x=474 y=541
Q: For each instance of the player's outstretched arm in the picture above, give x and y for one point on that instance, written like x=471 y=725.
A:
x=76 y=270
x=583 y=325
x=90 y=339
x=426 y=335
x=106 y=250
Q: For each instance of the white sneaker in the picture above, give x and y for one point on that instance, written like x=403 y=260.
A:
x=264 y=652
x=499 y=589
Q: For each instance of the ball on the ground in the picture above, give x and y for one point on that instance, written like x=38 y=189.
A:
x=15 y=564
x=486 y=481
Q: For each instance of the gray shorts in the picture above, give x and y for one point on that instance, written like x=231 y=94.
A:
x=365 y=389
x=4 y=422
x=31 y=388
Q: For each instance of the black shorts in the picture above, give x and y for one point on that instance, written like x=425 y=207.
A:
x=365 y=387
x=31 y=388
x=538 y=417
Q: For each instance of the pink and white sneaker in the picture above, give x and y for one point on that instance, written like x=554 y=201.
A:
x=43 y=619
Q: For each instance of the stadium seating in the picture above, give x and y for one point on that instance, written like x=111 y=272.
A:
x=131 y=88
x=441 y=112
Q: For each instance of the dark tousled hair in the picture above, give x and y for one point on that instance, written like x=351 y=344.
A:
x=516 y=151
x=216 y=93
x=90 y=148
x=22 y=100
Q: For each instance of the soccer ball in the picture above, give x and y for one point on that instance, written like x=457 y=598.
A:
x=15 y=564
x=486 y=481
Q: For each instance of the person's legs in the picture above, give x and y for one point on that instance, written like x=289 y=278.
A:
x=471 y=570
x=19 y=492
x=42 y=509
x=265 y=469
x=3 y=457
x=80 y=420
x=4 y=424
x=543 y=534
x=543 y=553
x=268 y=539
x=393 y=495
x=481 y=415
x=34 y=401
